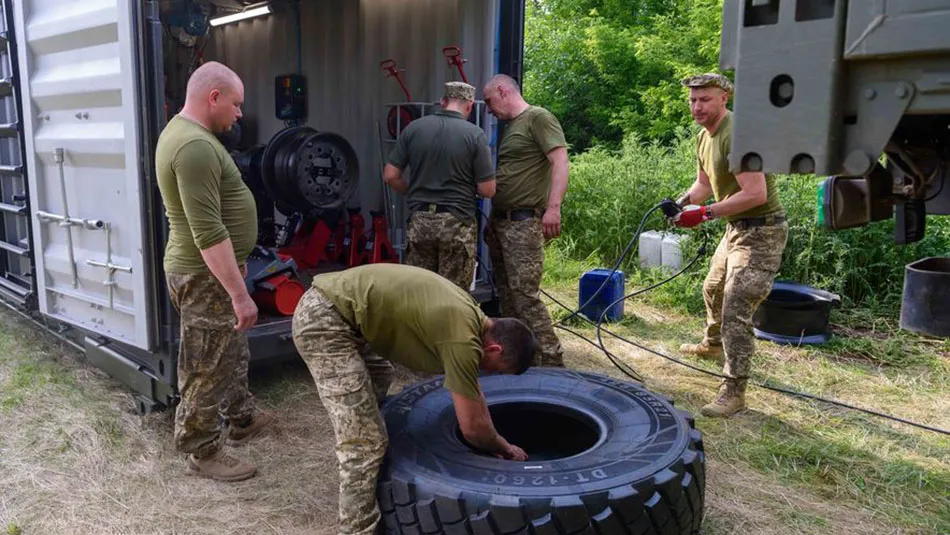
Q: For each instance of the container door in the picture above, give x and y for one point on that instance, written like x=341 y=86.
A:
x=81 y=125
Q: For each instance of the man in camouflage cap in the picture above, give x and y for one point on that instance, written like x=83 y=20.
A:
x=702 y=81
x=451 y=166
x=750 y=253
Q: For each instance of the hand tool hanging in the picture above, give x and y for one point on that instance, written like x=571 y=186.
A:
x=454 y=55
x=402 y=114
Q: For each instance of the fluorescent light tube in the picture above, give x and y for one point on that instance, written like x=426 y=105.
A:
x=253 y=12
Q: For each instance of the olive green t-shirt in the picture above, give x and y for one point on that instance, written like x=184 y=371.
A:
x=524 y=172
x=448 y=156
x=205 y=199
x=712 y=155
x=413 y=317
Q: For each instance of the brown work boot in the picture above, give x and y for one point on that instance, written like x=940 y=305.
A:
x=221 y=467
x=705 y=350
x=241 y=435
x=730 y=401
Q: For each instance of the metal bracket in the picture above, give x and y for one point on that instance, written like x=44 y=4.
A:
x=880 y=108
x=110 y=282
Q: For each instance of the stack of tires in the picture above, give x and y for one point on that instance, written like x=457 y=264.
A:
x=605 y=457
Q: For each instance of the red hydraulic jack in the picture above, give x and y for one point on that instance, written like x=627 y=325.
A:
x=372 y=249
x=354 y=247
x=382 y=249
x=316 y=245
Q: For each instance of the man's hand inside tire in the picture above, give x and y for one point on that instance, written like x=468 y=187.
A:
x=515 y=453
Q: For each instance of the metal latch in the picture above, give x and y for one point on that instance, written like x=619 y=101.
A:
x=65 y=220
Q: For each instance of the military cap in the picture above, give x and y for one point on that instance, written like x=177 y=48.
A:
x=459 y=91
x=709 y=79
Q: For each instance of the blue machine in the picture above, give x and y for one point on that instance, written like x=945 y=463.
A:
x=614 y=289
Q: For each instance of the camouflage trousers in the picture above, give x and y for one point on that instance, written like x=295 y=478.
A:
x=443 y=244
x=351 y=380
x=517 y=257
x=740 y=278
x=212 y=364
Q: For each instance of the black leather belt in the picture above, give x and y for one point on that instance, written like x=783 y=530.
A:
x=514 y=215
x=432 y=208
x=750 y=222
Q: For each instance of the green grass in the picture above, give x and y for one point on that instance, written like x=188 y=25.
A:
x=610 y=192
x=29 y=376
x=843 y=457
x=13 y=529
x=827 y=461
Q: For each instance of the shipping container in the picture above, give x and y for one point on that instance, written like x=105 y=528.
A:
x=87 y=88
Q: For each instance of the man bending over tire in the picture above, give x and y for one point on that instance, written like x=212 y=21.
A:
x=352 y=323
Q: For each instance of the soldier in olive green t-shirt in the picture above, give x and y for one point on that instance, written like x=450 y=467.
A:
x=348 y=327
x=750 y=253
x=451 y=165
x=212 y=222
x=526 y=209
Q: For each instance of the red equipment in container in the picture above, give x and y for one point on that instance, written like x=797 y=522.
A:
x=382 y=249
x=454 y=55
x=407 y=112
x=279 y=294
x=272 y=281
x=316 y=243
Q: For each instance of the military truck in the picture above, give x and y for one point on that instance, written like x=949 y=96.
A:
x=857 y=91
x=835 y=88
x=86 y=88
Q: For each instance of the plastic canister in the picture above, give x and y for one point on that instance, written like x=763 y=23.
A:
x=650 y=248
x=590 y=282
x=672 y=251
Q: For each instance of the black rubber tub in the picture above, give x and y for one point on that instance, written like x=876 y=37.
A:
x=795 y=314
x=925 y=304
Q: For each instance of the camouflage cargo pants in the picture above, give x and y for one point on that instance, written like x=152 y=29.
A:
x=212 y=364
x=443 y=244
x=517 y=257
x=351 y=380
x=740 y=278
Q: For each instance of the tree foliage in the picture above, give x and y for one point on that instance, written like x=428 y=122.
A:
x=611 y=68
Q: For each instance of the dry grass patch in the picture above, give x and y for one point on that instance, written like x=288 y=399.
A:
x=76 y=459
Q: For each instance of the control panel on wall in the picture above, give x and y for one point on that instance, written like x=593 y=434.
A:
x=290 y=97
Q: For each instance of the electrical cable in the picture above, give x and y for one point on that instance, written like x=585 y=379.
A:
x=804 y=395
x=629 y=371
x=763 y=384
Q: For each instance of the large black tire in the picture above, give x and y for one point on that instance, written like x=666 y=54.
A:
x=605 y=457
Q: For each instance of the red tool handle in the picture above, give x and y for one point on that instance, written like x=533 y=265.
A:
x=454 y=55
x=389 y=66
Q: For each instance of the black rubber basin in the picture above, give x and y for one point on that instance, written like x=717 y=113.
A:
x=925 y=304
x=795 y=314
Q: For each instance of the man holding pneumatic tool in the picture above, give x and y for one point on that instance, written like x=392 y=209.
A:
x=750 y=253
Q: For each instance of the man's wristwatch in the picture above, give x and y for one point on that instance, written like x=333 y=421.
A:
x=709 y=212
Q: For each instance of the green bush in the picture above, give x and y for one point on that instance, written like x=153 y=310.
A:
x=610 y=191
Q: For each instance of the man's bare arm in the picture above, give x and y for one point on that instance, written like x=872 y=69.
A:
x=560 y=168
x=392 y=175
x=478 y=429
x=220 y=260
x=700 y=190
x=486 y=189
x=754 y=192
